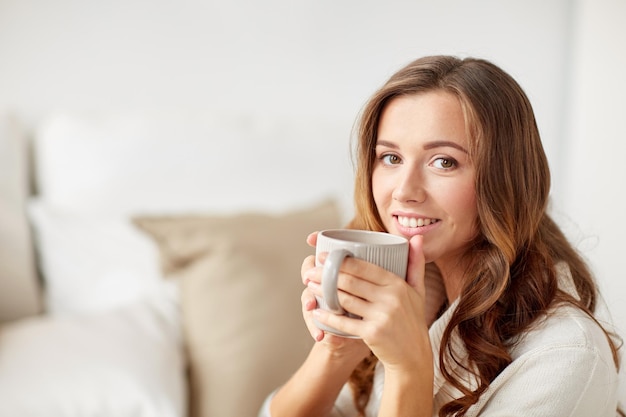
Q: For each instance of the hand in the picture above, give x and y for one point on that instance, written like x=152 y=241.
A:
x=311 y=277
x=394 y=325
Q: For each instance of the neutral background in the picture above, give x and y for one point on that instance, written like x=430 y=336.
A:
x=320 y=60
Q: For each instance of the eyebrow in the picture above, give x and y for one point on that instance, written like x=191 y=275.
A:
x=428 y=145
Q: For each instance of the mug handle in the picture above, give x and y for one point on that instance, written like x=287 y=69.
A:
x=329 y=279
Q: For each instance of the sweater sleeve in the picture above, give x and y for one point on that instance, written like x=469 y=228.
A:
x=573 y=379
x=264 y=411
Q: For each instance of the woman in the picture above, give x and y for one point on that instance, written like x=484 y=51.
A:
x=450 y=157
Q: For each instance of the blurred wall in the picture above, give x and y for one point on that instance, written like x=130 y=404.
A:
x=594 y=145
x=308 y=60
x=302 y=59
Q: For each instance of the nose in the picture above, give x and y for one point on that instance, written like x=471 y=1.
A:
x=410 y=187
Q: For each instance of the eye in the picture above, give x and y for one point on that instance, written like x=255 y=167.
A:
x=390 y=159
x=444 y=163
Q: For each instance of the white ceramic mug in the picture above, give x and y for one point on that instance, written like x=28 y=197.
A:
x=388 y=251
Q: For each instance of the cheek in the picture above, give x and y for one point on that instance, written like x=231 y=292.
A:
x=467 y=209
x=382 y=188
x=381 y=192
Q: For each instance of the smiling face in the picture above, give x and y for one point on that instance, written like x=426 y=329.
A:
x=422 y=178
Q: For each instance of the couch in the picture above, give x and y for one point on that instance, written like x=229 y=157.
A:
x=150 y=263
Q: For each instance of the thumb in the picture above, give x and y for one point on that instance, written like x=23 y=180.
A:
x=417 y=264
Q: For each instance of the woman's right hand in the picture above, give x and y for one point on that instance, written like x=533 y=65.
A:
x=313 y=389
x=337 y=345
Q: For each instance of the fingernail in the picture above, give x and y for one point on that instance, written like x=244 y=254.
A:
x=309 y=274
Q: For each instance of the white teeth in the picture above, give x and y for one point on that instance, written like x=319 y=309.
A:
x=415 y=222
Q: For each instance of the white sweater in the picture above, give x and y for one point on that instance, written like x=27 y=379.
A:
x=563 y=367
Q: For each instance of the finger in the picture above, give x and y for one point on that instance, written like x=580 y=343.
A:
x=315 y=288
x=340 y=322
x=416 y=264
x=307 y=265
x=309 y=304
x=321 y=257
x=311 y=239
x=362 y=281
x=366 y=271
x=308 y=300
x=359 y=296
x=354 y=304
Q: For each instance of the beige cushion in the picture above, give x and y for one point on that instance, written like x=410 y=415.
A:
x=19 y=287
x=241 y=287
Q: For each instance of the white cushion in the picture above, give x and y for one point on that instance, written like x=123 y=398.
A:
x=126 y=362
x=91 y=261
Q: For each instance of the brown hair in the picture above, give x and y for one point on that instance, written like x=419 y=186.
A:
x=512 y=280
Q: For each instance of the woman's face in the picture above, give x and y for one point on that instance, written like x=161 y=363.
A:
x=423 y=181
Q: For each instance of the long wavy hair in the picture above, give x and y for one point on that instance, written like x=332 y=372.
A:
x=512 y=279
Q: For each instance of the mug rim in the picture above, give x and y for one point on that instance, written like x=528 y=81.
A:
x=351 y=235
